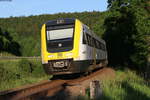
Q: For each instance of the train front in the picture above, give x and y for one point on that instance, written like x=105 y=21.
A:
x=59 y=46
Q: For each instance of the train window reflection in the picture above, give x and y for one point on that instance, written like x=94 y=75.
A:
x=59 y=34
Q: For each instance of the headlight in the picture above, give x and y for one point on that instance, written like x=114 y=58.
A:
x=51 y=56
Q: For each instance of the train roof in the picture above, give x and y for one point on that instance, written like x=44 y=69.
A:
x=61 y=21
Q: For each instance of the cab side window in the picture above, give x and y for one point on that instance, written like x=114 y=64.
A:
x=84 y=37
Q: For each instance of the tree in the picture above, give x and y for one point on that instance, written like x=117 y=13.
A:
x=126 y=30
x=7 y=44
x=115 y=4
x=1 y=40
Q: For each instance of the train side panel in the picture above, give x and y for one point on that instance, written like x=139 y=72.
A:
x=91 y=56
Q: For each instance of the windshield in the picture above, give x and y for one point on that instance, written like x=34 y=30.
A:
x=60 y=38
x=60 y=34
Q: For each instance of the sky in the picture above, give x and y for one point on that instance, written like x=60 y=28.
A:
x=37 y=7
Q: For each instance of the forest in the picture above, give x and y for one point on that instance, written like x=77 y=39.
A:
x=125 y=27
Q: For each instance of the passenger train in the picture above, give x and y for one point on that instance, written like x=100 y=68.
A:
x=68 y=46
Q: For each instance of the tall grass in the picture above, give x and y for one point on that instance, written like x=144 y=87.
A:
x=126 y=86
x=14 y=73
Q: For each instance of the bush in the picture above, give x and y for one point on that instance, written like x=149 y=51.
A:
x=33 y=68
x=38 y=70
x=20 y=72
x=25 y=67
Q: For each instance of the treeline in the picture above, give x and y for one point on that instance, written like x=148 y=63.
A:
x=26 y=30
x=127 y=33
x=125 y=28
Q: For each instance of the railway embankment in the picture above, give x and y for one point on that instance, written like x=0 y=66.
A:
x=125 y=85
x=56 y=89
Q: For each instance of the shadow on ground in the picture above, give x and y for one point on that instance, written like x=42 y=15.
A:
x=133 y=94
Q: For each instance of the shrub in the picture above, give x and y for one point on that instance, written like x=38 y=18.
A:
x=38 y=70
x=25 y=67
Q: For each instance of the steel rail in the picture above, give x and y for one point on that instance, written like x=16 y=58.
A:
x=24 y=93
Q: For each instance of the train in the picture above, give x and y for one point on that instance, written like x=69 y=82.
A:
x=68 y=47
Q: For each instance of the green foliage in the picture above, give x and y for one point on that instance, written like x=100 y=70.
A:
x=116 y=4
x=6 y=74
x=126 y=86
x=127 y=29
x=7 y=43
x=33 y=68
x=20 y=72
x=38 y=70
x=25 y=67
x=26 y=30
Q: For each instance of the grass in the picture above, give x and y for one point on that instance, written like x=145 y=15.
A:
x=20 y=82
x=2 y=54
x=15 y=73
x=127 y=85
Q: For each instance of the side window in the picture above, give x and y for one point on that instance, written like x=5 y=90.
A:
x=97 y=44
x=102 y=46
x=105 y=48
x=91 y=41
x=94 y=43
x=88 y=39
x=84 y=37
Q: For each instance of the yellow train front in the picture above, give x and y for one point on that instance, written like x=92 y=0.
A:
x=65 y=49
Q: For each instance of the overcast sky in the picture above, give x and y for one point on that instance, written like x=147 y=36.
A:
x=36 y=7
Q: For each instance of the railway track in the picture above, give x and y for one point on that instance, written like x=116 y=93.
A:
x=33 y=92
x=47 y=90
